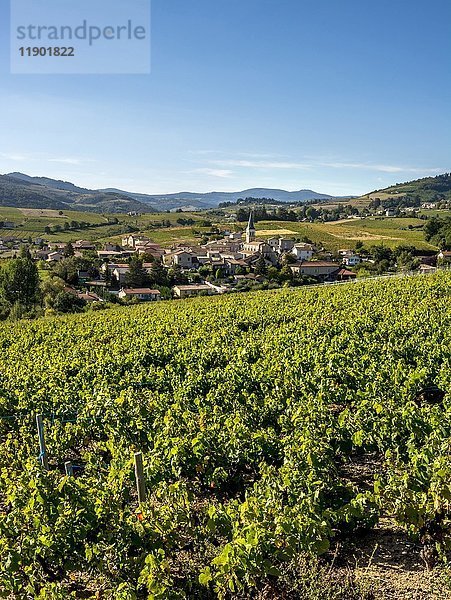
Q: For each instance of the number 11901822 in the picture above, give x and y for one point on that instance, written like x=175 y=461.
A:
x=47 y=51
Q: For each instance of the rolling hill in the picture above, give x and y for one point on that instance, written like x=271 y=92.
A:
x=428 y=189
x=19 y=190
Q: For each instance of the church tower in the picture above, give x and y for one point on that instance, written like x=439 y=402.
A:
x=250 y=229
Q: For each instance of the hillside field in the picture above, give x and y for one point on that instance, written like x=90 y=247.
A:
x=32 y=222
x=427 y=189
x=296 y=444
x=371 y=231
x=391 y=232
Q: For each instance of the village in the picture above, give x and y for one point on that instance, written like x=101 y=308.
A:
x=140 y=270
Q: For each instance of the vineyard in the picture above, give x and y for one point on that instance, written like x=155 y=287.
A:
x=251 y=412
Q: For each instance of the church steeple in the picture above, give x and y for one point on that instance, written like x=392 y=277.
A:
x=250 y=229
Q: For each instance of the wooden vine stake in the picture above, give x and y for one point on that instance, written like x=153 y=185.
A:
x=42 y=448
x=139 y=475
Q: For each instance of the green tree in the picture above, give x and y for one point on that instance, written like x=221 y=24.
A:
x=194 y=278
x=137 y=276
x=147 y=258
x=68 y=250
x=67 y=269
x=382 y=253
x=25 y=252
x=273 y=274
x=19 y=282
x=312 y=213
x=50 y=288
x=66 y=302
x=286 y=274
x=204 y=271
x=176 y=276
x=260 y=266
x=406 y=262
x=288 y=259
x=158 y=275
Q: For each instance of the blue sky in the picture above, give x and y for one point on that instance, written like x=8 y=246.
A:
x=338 y=96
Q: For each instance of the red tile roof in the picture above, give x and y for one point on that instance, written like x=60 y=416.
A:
x=89 y=297
x=317 y=263
x=148 y=291
x=194 y=286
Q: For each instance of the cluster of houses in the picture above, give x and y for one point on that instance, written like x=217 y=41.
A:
x=236 y=256
x=54 y=252
x=435 y=205
x=12 y=244
x=237 y=252
x=47 y=251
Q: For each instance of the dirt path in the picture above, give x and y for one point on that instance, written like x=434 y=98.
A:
x=388 y=563
x=385 y=560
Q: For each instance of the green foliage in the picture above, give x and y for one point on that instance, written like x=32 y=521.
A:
x=158 y=275
x=66 y=302
x=414 y=193
x=384 y=259
x=19 y=281
x=250 y=412
x=137 y=276
x=67 y=269
x=260 y=266
x=68 y=250
x=438 y=231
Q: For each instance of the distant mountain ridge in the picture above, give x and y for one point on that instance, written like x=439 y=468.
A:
x=212 y=199
x=24 y=191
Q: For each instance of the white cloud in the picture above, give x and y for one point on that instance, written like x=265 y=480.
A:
x=13 y=157
x=380 y=168
x=223 y=173
x=260 y=155
x=40 y=158
x=252 y=164
x=66 y=161
x=305 y=166
x=244 y=154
